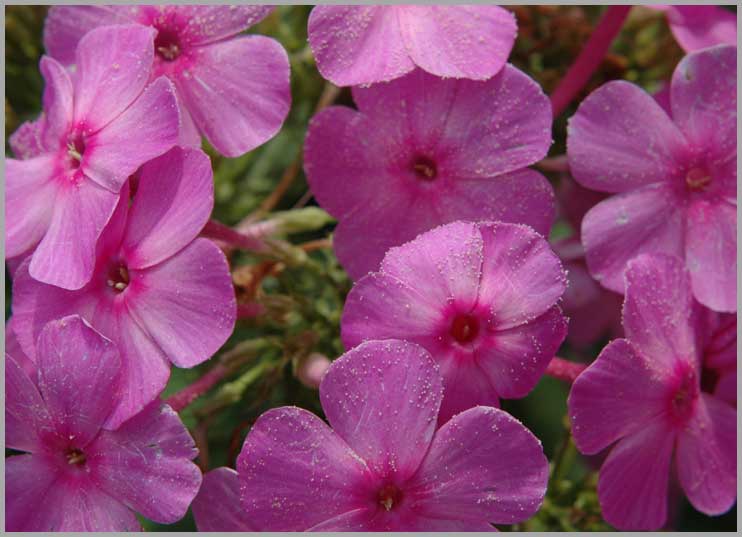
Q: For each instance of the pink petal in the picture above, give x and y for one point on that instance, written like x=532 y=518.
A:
x=621 y=139
x=57 y=103
x=726 y=387
x=30 y=191
x=217 y=506
x=27 y=420
x=657 y=309
x=515 y=359
x=292 y=459
x=634 y=480
x=465 y=384
x=187 y=303
x=65 y=256
x=28 y=480
x=112 y=68
x=522 y=277
x=207 y=24
x=78 y=377
x=174 y=199
x=711 y=253
x=617 y=396
x=707 y=456
x=65 y=25
x=382 y=398
x=368 y=520
x=189 y=135
x=27 y=140
x=698 y=27
x=113 y=154
x=704 y=100
x=13 y=348
x=237 y=92
x=357 y=45
x=458 y=41
x=647 y=220
x=483 y=465
x=146 y=463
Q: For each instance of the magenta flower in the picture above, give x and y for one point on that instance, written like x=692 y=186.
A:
x=481 y=298
x=421 y=152
x=159 y=292
x=698 y=27
x=357 y=45
x=675 y=179
x=233 y=89
x=718 y=346
x=76 y=475
x=644 y=395
x=80 y=152
x=383 y=466
x=217 y=506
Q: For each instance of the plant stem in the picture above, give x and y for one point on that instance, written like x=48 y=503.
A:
x=562 y=369
x=249 y=310
x=589 y=58
x=180 y=400
x=218 y=231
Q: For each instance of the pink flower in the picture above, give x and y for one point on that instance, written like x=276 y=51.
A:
x=383 y=466
x=644 y=396
x=481 y=298
x=157 y=291
x=233 y=89
x=718 y=344
x=421 y=152
x=357 y=45
x=697 y=27
x=76 y=475
x=675 y=178
x=217 y=506
x=80 y=152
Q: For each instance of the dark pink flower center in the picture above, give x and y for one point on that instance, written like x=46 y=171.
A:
x=464 y=328
x=75 y=151
x=684 y=396
x=389 y=496
x=75 y=457
x=424 y=168
x=697 y=178
x=118 y=277
x=167 y=44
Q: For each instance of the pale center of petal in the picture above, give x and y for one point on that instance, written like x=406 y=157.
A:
x=464 y=328
x=75 y=457
x=424 y=168
x=167 y=44
x=389 y=496
x=697 y=178
x=118 y=278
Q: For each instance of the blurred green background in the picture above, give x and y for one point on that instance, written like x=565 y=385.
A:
x=305 y=288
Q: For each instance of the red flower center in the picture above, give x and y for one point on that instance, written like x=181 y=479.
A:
x=464 y=328
x=683 y=398
x=75 y=457
x=697 y=178
x=389 y=496
x=424 y=168
x=167 y=44
x=118 y=277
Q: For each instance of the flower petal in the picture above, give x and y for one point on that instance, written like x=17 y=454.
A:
x=382 y=398
x=78 y=377
x=465 y=384
x=57 y=102
x=357 y=45
x=113 y=154
x=618 y=395
x=368 y=520
x=647 y=220
x=28 y=480
x=711 y=253
x=621 y=139
x=698 y=27
x=458 y=41
x=187 y=303
x=237 y=92
x=707 y=456
x=147 y=464
x=27 y=140
x=27 y=419
x=174 y=199
x=213 y=23
x=217 y=506
x=634 y=480
x=112 y=67
x=483 y=465
x=13 y=348
x=295 y=472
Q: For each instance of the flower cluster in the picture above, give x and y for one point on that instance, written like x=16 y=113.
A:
x=460 y=297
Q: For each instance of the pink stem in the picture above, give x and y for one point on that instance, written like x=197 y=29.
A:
x=562 y=369
x=180 y=400
x=589 y=58
x=218 y=231
x=249 y=310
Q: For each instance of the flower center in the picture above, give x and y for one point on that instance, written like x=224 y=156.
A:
x=75 y=150
x=424 y=168
x=118 y=278
x=464 y=328
x=683 y=398
x=75 y=457
x=697 y=178
x=167 y=44
x=389 y=496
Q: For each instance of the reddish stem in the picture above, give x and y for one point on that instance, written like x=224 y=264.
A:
x=180 y=400
x=218 y=231
x=249 y=310
x=589 y=58
x=562 y=369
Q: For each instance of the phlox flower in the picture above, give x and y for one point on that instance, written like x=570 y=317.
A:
x=697 y=27
x=75 y=474
x=718 y=344
x=357 y=45
x=157 y=291
x=217 y=507
x=421 y=152
x=382 y=465
x=97 y=127
x=675 y=177
x=646 y=397
x=233 y=89
x=481 y=298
